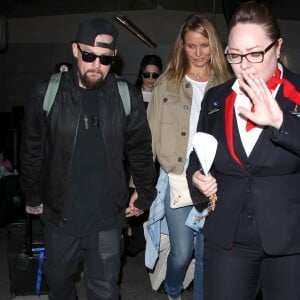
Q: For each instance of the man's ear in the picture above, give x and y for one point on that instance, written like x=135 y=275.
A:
x=75 y=50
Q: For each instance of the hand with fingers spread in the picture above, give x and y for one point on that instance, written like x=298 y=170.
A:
x=266 y=109
x=254 y=214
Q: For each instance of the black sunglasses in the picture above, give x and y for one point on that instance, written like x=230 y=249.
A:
x=90 y=57
x=154 y=75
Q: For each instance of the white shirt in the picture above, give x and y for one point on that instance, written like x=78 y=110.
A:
x=147 y=96
x=249 y=138
x=198 y=94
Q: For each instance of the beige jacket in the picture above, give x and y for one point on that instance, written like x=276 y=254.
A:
x=169 y=117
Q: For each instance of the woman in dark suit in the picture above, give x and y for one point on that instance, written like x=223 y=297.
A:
x=252 y=238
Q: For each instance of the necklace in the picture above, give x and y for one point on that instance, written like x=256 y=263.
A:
x=95 y=120
x=86 y=121
x=90 y=113
x=85 y=116
x=199 y=77
x=194 y=75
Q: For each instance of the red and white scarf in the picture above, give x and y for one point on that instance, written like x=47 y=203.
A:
x=289 y=91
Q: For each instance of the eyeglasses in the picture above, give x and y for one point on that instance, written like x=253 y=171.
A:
x=90 y=57
x=252 y=57
x=147 y=75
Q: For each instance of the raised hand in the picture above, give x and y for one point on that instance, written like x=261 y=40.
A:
x=266 y=109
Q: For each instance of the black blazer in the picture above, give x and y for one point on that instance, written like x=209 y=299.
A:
x=270 y=175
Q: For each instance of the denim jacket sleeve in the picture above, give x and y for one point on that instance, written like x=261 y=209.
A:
x=154 y=226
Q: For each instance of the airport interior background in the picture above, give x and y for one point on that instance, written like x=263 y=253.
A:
x=36 y=35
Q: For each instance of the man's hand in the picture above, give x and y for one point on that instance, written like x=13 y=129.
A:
x=131 y=210
x=35 y=210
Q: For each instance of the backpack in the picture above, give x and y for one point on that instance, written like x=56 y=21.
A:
x=54 y=84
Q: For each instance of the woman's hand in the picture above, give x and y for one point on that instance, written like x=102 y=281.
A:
x=35 y=210
x=266 y=109
x=131 y=210
x=207 y=185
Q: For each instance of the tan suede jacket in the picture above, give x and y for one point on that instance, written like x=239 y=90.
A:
x=169 y=117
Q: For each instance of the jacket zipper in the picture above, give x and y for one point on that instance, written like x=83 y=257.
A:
x=70 y=165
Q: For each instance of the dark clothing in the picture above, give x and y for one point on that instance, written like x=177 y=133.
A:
x=88 y=209
x=248 y=269
x=269 y=177
x=62 y=262
x=47 y=148
x=254 y=232
x=73 y=162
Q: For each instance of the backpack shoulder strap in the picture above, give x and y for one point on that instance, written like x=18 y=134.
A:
x=51 y=92
x=125 y=95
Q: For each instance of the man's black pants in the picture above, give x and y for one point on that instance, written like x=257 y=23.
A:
x=100 y=254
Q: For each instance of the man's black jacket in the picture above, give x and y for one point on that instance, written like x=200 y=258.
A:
x=48 y=143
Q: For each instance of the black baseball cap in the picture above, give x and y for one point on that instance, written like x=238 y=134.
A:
x=89 y=29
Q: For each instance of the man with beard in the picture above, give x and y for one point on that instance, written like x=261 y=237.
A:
x=72 y=167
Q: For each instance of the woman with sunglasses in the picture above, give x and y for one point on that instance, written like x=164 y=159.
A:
x=252 y=238
x=150 y=68
x=196 y=64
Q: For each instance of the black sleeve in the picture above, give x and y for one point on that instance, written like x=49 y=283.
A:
x=200 y=201
x=138 y=151
x=31 y=146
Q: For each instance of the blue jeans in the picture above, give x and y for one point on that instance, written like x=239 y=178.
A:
x=181 y=251
x=198 y=276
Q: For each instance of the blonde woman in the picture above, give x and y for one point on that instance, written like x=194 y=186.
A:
x=196 y=64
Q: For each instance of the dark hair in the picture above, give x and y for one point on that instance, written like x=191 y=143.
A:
x=256 y=13
x=148 y=60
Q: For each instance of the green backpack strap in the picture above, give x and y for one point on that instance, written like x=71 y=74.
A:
x=124 y=93
x=54 y=84
x=51 y=92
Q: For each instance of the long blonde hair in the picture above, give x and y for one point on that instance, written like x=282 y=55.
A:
x=178 y=64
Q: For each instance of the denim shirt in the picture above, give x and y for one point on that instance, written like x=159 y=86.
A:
x=157 y=224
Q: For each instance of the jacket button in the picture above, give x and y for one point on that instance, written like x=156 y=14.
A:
x=180 y=159
x=186 y=107
x=183 y=133
x=188 y=85
x=165 y=99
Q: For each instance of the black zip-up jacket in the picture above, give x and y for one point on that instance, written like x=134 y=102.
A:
x=47 y=147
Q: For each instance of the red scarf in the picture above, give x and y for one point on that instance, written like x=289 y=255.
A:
x=289 y=91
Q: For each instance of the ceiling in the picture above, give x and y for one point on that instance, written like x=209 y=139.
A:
x=282 y=9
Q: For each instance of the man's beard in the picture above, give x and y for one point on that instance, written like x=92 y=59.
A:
x=91 y=84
